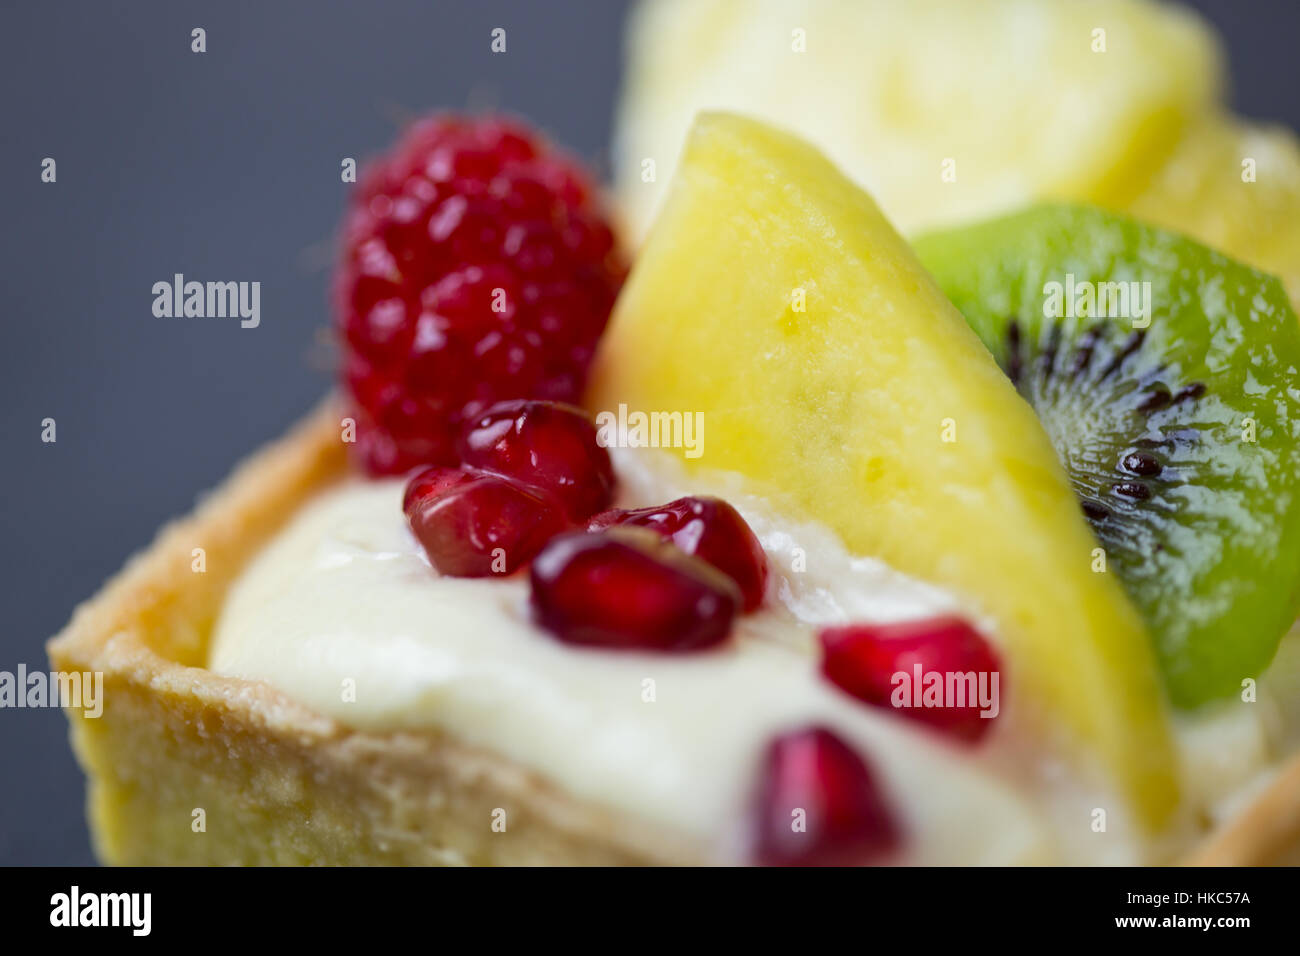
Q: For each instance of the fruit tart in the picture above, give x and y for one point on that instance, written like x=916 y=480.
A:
x=815 y=550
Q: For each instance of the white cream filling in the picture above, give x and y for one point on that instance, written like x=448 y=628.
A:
x=343 y=612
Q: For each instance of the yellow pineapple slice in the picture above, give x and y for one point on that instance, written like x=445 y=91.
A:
x=1233 y=185
x=773 y=297
x=945 y=110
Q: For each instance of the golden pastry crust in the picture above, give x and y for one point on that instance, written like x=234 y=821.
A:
x=280 y=784
x=1266 y=832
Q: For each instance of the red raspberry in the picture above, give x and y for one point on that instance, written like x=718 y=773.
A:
x=478 y=266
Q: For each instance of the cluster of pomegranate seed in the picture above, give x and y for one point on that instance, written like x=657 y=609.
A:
x=529 y=470
x=534 y=485
x=478 y=266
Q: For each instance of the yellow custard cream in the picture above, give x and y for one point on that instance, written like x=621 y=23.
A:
x=343 y=612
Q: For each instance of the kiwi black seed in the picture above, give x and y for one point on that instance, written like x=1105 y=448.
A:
x=1105 y=361
x=1178 y=425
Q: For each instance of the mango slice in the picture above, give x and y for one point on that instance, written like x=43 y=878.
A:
x=775 y=298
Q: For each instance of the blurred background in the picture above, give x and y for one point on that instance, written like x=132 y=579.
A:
x=225 y=166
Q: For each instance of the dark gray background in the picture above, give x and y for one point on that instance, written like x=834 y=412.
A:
x=225 y=166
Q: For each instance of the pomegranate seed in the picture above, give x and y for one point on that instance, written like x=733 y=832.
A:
x=818 y=804
x=479 y=523
x=432 y=482
x=547 y=444
x=709 y=529
x=864 y=659
x=626 y=588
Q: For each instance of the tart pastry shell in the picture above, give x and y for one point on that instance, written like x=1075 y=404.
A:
x=188 y=767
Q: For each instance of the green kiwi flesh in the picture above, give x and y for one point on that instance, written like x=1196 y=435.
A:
x=1166 y=376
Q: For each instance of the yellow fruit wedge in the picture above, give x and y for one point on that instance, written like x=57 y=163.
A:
x=945 y=110
x=1233 y=185
x=774 y=297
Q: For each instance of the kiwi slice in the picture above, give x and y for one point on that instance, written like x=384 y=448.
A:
x=1166 y=376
